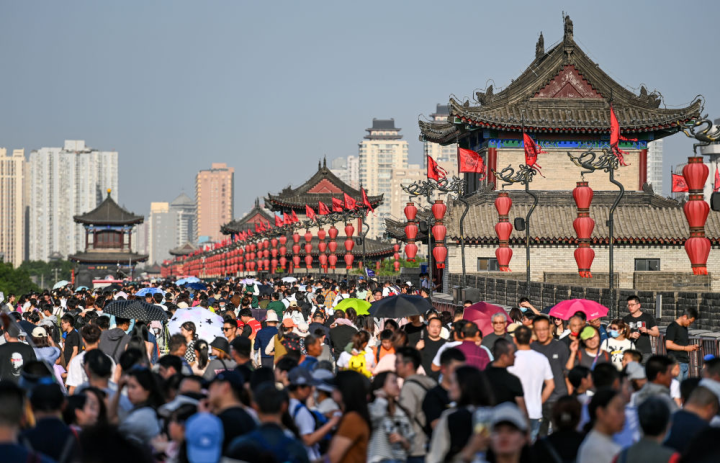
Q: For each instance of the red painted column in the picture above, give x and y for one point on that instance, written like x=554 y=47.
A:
x=491 y=166
x=642 y=174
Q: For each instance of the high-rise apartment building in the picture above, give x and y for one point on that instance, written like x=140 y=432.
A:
x=347 y=169
x=161 y=232
x=655 y=165
x=66 y=181
x=214 y=190
x=185 y=212
x=437 y=151
x=381 y=152
x=12 y=230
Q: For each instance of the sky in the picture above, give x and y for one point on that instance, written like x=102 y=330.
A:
x=271 y=87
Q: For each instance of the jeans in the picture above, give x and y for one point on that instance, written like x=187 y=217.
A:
x=684 y=369
x=546 y=418
x=534 y=428
x=267 y=362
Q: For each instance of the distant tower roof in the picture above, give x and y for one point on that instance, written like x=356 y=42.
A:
x=108 y=213
x=383 y=125
x=183 y=200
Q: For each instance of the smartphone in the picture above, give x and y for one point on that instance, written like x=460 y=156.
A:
x=481 y=420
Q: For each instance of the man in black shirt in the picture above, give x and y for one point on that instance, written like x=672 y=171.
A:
x=506 y=386
x=436 y=400
x=341 y=334
x=557 y=354
x=415 y=330
x=677 y=341
x=14 y=354
x=430 y=345
x=642 y=326
x=72 y=338
x=224 y=398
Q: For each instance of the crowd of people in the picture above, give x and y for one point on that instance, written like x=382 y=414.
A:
x=298 y=377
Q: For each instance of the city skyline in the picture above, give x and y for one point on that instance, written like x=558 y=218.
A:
x=167 y=114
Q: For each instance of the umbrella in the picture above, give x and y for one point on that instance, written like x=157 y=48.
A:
x=566 y=309
x=481 y=314
x=197 y=286
x=181 y=281
x=139 y=310
x=265 y=289
x=192 y=279
x=145 y=291
x=361 y=307
x=81 y=288
x=113 y=287
x=289 y=279
x=399 y=306
x=208 y=326
x=61 y=284
x=249 y=281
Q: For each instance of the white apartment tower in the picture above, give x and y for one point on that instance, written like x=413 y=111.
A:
x=12 y=230
x=438 y=152
x=655 y=165
x=381 y=151
x=66 y=182
x=347 y=169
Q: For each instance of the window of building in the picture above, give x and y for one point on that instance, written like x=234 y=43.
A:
x=647 y=265
x=487 y=264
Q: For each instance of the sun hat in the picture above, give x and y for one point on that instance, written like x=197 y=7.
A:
x=289 y=323
x=587 y=333
x=271 y=316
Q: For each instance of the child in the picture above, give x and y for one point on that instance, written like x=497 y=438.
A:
x=631 y=355
x=580 y=378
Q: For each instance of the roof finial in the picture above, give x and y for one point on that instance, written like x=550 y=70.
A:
x=568 y=37
x=257 y=202
x=319 y=166
x=324 y=162
x=109 y=190
x=540 y=47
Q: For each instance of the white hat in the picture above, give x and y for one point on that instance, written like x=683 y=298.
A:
x=271 y=316
x=39 y=332
x=508 y=412
x=182 y=305
x=302 y=329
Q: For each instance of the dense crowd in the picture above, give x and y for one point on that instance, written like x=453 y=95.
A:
x=298 y=371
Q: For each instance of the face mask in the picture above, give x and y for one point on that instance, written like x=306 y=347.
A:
x=613 y=333
x=524 y=309
x=575 y=334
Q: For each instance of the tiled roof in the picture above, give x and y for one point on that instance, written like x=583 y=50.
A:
x=109 y=213
x=396 y=227
x=107 y=257
x=562 y=91
x=185 y=249
x=246 y=223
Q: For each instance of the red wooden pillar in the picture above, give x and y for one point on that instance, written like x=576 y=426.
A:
x=491 y=166
x=642 y=169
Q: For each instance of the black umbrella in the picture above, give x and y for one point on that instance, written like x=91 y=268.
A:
x=265 y=289
x=113 y=287
x=139 y=310
x=399 y=306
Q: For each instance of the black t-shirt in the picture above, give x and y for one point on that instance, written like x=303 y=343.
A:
x=435 y=402
x=679 y=335
x=565 y=443
x=428 y=354
x=13 y=355
x=557 y=353
x=71 y=340
x=506 y=386
x=341 y=336
x=236 y=422
x=415 y=333
x=489 y=340
x=648 y=321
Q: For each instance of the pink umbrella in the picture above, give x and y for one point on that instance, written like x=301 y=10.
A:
x=481 y=314
x=566 y=309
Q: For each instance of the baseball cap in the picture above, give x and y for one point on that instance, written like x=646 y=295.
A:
x=293 y=304
x=289 y=323
x=235 y=378
x=508 y=413
x=323 y=380
x=221 y=344
x=300 y=376
x=271 y=316
x=39 y=332
x=587 y=333
x=204 y=436
x=635 y=371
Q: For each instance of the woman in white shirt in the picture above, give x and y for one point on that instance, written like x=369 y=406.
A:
x=617 y=342
x=359 y=344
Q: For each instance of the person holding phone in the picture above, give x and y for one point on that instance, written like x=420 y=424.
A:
x=642 y=326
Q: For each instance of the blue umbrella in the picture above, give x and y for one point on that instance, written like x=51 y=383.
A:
x=81 y=288
x=181 y=281
x=145 y=291
x=197 y=286
x=192 y=279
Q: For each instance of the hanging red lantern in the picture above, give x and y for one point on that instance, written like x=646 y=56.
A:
x=584 y=226
x=308 y=248
x=439 y=209
x=411 y=231
x=349 y=230
x=396 y=266
x=308 y=261
x=322 y=246
x=411 y=250
x=308 y=236
x=321 y=234
x=283 y=261
x=410 y=211
x=349 y=258
x=349 y=244
x=503 y=229
x=274 y=242
x=296 y=238
x=696 y=211
x=273 y=265
x=266 y=253
x=283 y=240
x=274 y=253
x=322 y=258
x=396 y=256
x=333 y=232
x=266 y=264
x=440 y=254
x=439 y=231
x=296 y=261
x=332 y=259
x=396 y=247
x=584 y=258
x=332 y=245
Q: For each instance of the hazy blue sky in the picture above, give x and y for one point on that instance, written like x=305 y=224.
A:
x=270 y=87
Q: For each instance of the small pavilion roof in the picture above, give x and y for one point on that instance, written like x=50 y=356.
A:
x=107 y=257
x=184 y=250
x=256 y=215
x=109 y=213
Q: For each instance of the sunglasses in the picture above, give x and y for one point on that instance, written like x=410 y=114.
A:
x=498 y=323
x=228 y=329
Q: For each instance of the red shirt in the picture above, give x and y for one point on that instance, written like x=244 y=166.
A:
x=254 y=325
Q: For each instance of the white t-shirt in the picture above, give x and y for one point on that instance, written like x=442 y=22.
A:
x=340 y=297
x=305 y=424
x=344 y=359
x=616 y=349
x=533 y=369
x=76 y=373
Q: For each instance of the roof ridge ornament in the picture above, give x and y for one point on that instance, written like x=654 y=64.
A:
x=540 y=47
x=568 y=40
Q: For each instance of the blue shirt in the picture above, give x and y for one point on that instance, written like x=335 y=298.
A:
x=263 y=339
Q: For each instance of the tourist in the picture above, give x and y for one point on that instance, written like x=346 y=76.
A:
x=536 y=376
x=677 y=341
x=14 y=354
x=437 y=399
x=221 y=361
x=350 y=442
x=341 y=333
x=557 y=354
x=12 y=417
x=44 y=346
x=413 y=392
x=499 y=326
x=430 y=345
x=564 y=442
x=385 y=347
x=576 y=323
x=141 y=423
x=415 y=330
x=98 y=369
x=114 y=341
x=176 y=450
x=654 y=417
x=642 y=326
x=607 y=417
x=475 y=355
x=597 y=324
x=276 y=306
x=230 y=328
x=392 y=430
x=586 y=351
x=263 y=339
x=506 y=387
x=224 y=394
x=246 y=319
x=188 y=331
x=658 y=371
x=617 y=342
x=700 y=408
x=76 y=374
x=71 y=344
x=580 y=378
x=241 y=351
x=202 y=357
x=84 y=410
x=360 y=358
x=558 y=328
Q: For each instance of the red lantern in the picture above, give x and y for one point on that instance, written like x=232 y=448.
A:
x=439 y=231
x=308 y=248
x=283 y=261
x=296 y=261
x=321 y=234
x=283 y=240
x=349 y=258
x=273 y=265
x=695 y=173
x=396 y=265
x=503 y=229
x=333 y=232
x=411 y=250
x=296 y=248
x=698 y=250
x=266 y=253
x=332 y=245
x=283 y=251
x=308 y=236
x=323 y=260
x=439 y=209
x=333 y=260
x=322 y=246
x=274 y=252
x=266 y=264
x=411 y=231
x=296 y=238
x=696 y=213
x=396 y=247
x=584 y=258
x=274 y=242
x=308 y=261
x=349 y=230
x=440 y=254
x=349 y=244
x=584 y=226
x=410 y=212
x=396 y=256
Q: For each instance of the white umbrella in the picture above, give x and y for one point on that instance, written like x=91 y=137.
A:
x=61 y=284
x=249 y=281
x=289 y=279
x=208 y=326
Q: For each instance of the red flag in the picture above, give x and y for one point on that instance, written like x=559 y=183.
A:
x=470 y=162
x=679 y=184
x=294 y=217
x=286 y=219
x=615 y=137
x=531 y=152
x=350 y=203
x=337 y=205
x=309 y=212
x=257 y=228
x=434 y=171
x=716 y=187
x=322 y=208
x=365 y=200
x=278 y=222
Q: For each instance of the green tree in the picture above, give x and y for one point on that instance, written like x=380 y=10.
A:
x=15 y=281
x=45 y=271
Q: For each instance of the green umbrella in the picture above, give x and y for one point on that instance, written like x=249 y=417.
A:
x=361 y=307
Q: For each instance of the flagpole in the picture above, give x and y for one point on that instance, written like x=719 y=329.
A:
x=527 y=217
